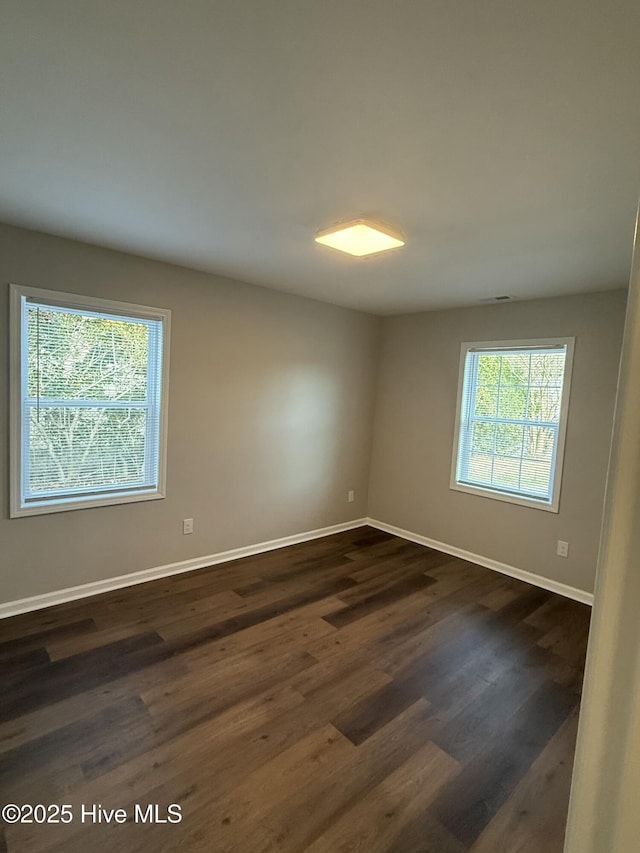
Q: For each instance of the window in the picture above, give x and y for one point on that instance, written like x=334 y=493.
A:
x=88 y=401
x=512 y=416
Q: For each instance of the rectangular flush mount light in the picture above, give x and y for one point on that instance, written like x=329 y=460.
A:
x=359 y=238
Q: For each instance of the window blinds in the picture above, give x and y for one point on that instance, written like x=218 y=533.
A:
x=90 y=390
x=510 y=419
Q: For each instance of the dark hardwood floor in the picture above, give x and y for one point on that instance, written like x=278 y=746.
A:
x=354 y=693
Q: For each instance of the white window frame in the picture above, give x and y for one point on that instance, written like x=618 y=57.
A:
x=17 y=295
x=487 y=492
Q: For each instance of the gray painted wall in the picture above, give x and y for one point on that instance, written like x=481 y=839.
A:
x=414 y=426
x=270 y=418
x=271 y=422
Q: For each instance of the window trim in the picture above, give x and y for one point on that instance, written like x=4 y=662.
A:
x=539 y=343
x=89 y=303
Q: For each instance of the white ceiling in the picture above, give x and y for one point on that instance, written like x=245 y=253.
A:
x=501 y=137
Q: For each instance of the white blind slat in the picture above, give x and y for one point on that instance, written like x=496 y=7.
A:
x=91 y=402
x=510 y=419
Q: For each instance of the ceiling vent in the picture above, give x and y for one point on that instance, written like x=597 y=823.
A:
x=497 y=299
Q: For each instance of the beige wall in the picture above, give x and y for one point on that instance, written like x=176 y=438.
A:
x=270 y=413
x=271 y=420
x=603 y=813
x=414 y=427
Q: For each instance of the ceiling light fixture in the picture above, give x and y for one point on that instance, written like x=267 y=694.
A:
x=359 y=238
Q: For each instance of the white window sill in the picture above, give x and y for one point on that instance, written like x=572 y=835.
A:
x=70 y=503
x=507 y=497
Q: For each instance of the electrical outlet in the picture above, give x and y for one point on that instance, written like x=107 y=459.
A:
x=562 y=549
x=351 y=496
x=187 y=525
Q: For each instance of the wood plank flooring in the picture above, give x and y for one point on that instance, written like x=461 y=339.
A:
x=354 y=693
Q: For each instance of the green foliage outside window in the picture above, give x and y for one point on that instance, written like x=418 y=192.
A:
x=74 y=358
x=525 y=388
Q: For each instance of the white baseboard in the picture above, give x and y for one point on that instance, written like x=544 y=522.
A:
x=49 y=599
x=537 y=580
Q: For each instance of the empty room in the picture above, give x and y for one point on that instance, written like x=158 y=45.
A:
x=319 y=405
